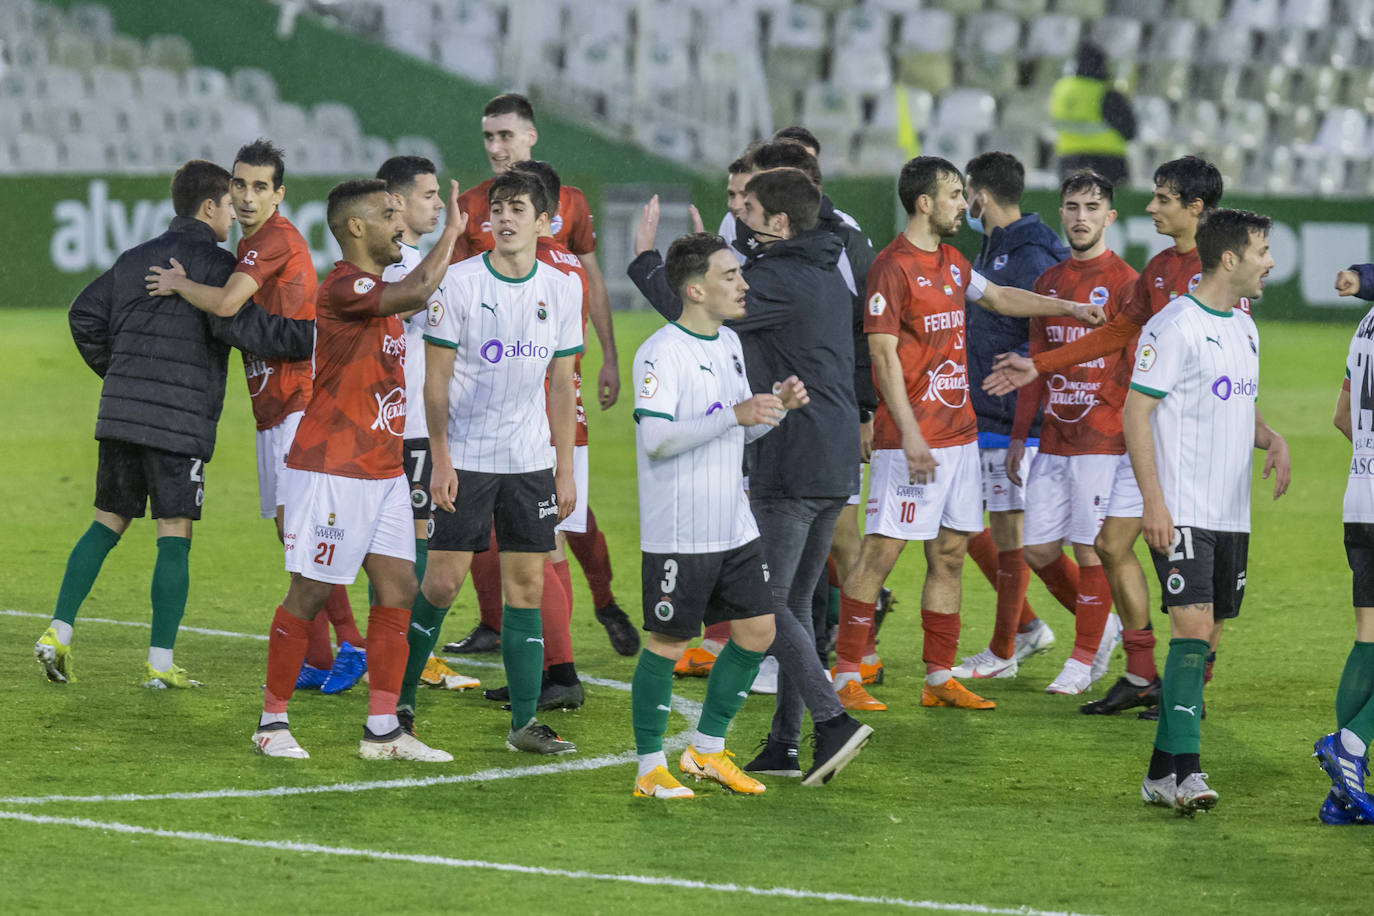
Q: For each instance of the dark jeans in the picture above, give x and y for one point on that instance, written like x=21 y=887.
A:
x=796 y=541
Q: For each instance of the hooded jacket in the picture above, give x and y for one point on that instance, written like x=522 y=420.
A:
x=1014 y=255
x=164 y=361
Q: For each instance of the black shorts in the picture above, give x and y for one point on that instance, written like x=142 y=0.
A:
x=1359 y=553
x=523 y=506
x=683 y=591
x=417 y=466
x=128 y=477
x=1204 y=567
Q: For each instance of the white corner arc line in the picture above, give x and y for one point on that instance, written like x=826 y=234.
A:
x=644 y=880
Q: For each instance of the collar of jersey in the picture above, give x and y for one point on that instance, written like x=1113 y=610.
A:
x=1229 y=314
x=694 y=333
x=486 y=259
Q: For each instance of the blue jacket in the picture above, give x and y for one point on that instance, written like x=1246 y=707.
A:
x=1366 y=274
x=1014 y=255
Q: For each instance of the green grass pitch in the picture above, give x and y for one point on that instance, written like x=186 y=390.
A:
x=1031 y=806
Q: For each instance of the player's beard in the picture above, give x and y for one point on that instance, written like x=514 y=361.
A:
x=946 y=230
x=1097 y=237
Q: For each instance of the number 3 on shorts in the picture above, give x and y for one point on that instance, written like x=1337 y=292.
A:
x=669 y=576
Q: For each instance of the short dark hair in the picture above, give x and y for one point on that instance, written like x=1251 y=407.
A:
x=799 y=134
x=196 y=182
x=1000 y=174
x=1082 y=180
x=553 y=186
x=1226 y=230
x=922 y=176
x=263 y=152
x=787 y=154
x=689 y=257
x=400 y=172
x=511 y=183
x=509 y=103
x=789 y=191
x=344 y=196
x=1191 y=178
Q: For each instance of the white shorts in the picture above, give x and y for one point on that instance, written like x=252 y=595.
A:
x=900 y=509
x=576 y=522
x=273 y=444
x=333 y=522
x=857 y=495
x=1067 y=497
x=1126 y=501
x=999 y=493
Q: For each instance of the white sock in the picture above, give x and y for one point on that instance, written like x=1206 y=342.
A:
x=710 y=645
x=271 y=718
x=648 y=762
x=1352 y=742
x=383 y=725
x=938 y=678
x=160 y=659
x=64 y=631
x=844 y=677
x=707 y=744
x=871 y=659
x=1136 y=680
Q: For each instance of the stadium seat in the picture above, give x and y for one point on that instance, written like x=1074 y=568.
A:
x=1270 y=83
x=1359 y=89
x=205 y=85
x=61 y=84
x=254 y=86
x=287 y=121
x=374 y=150
x=33 y=152
x=1083 y=9
x=74 y=50
x=1025 y=10
x=1219 y=81
x=1318 y=171
x=987 y=58
x=1024 y=110
x=479 y=23
x=337 y=120
x=1344 y=131
x=93 y=20
x=966 y=7
x=830 y=109
x=875 y=157
x=239 y=119
x=1167 y=78
x=83 y=153
x=972 y=111
x=159 y=83
x=863 y=28
x=861 y=70
x=1285 y=47
x=1119 y=37
x=112 y=84
x=1310 y=15
x=925 y=50
x=171 y=51
x=796 y=46
x=1025 y=146
x=456 y=53
x=1196 y=121
x=1245 y=123
x=1294 y=123
x=595 y=63
x=122 y=51
x=669 y=68
x=100 y=118
x=1228 y=45
x=955 y=145
x=137 y=153
x=1207 y=12
x=1177 y=42
x=1259 y=15
x=1050 y=42
x=1318 y=86
x=1154 y=118
x=667 y=139
x=192 y=119
x=1230 y=160
x=1358 y=17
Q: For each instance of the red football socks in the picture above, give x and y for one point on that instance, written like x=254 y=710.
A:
x=1061 y=578
x=319 y=652
x=595 y=560
x=1094 y=606
x=941 y=640
x=387 y=651
x=286 y=644
x=982 y=549
x=340 y=614
x=486 y=582
x=1013 y=575
x=1140 y=653
x=555 y=613
x=855 y=631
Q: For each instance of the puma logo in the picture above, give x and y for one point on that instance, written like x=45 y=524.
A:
x=662 y=708
x=1214 y=340
x=1190 y=710
x=538 y=639
x=742 y=693
x=489 y=308
x=706 y=369
x=428 y=631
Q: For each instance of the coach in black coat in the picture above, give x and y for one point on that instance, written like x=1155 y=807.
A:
x=164 y=362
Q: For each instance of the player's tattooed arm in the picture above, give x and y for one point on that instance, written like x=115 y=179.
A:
x=1276 y=456
x=224 y=301
x=1342 y=417
x=1140 y=445
x=412 y=291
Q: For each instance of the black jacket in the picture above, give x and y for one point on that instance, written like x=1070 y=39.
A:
x=164 y=361
x=859 y=250
x=797 y=322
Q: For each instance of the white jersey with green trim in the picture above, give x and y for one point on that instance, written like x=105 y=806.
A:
x=1359 y=371
x=1204 y=365
x=414 y=359
x=694 y=501
x=506 y=332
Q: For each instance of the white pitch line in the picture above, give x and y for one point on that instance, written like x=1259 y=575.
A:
x=688 y=709
x=10 y=612
x=508 y=867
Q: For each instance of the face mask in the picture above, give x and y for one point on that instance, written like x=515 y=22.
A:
x=974 y=222
x=748 y=242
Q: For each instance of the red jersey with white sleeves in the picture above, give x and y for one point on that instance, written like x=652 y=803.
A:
x=558 y=256
x=572 y=227
x=1083 y=402
x=278 y=259
x=355 y=422
x=918 y=297
x=1167 y=276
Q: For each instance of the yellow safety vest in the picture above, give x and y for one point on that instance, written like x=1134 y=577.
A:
x=1076 y=109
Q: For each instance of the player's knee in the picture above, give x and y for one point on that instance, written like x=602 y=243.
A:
x=440 y=587
x=754 y=634
x=1038 y=556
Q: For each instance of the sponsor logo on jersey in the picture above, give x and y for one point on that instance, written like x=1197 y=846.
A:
x=494 y=350
x=329 y=532
x=649 y=387
x=766 y=574
x=664 y=610
x=1071 y=401
x=1159 y=282
x=922 y=282
x=256 y=370
x=391 y=411
x=915 y=491
x=436 y=313
x=715 y=405
x=1174 y=583
x=944 y=321
x=948 y=384
x=1240 y=580
x=1146 y=360
x=1224 y=387
x=548 y=507
x=997 y=264
x=251 y=257
x=1099 y=296
x=363 y=285
x=876 y=304
x=394 y=346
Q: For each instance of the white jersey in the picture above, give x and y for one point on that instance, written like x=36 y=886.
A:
x=692 y=502
x=506 y=331
x=414 y=359
x=1359 y=372
x=1205 y=366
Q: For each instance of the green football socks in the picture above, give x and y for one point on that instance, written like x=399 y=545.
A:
x=726 y=688
x=423 y=633
x=651 y=699
x=1355 y=696
x=522 y=652
x=82 y=568
x=171 y=583
x=1180 y=701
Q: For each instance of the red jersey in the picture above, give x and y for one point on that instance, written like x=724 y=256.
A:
x=1167 y=276
x=278 y=260
x=572 y=227
x=558 y=256
x=355 y=422
x=1083 y=407
x=918 y=297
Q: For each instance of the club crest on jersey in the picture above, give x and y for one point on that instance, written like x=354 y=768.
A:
x=436 y=313
x=739 y=366
x=363 y=285
x=542 y=312
x=649 y=387
x=956 y=275
x=1193 y=281
x=997 y=264
x=664 y=610
x=877 y=304
x=557 y=225
x=1147 y=357
x=391 y=411
x=251 y=257
x=1098 y=296
x=330 y=522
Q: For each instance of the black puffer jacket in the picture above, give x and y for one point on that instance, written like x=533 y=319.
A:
x=164 y=361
